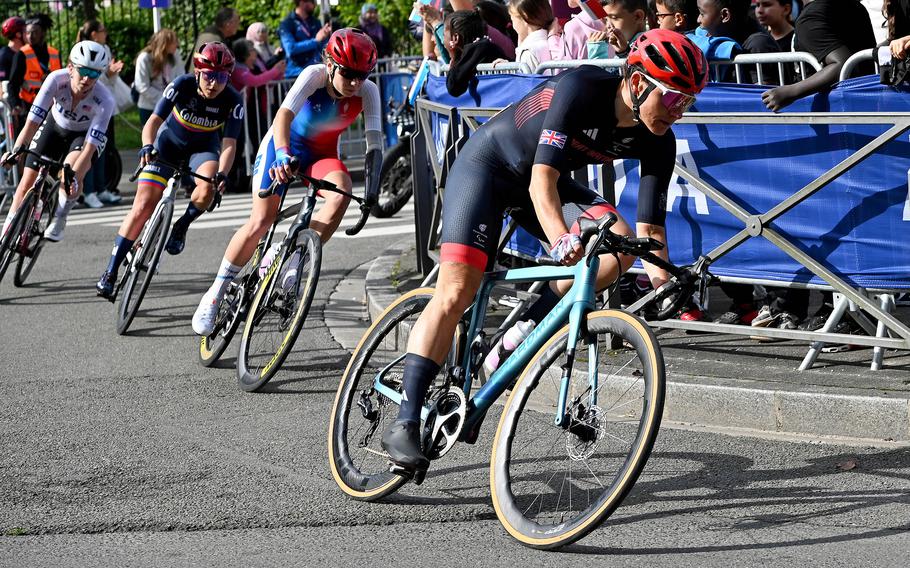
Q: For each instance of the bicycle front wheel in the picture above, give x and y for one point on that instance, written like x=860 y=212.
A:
x=278 y=312
x=553 y=484
x=12 y=241
x=35 y=243
x=361 y=412
x=231 y=310
x=147 y=253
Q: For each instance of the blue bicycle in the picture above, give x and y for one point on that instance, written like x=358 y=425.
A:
x=587 y=391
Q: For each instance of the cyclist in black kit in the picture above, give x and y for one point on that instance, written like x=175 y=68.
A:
x=521 y=158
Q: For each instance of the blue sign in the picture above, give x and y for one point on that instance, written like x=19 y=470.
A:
x=154 y=3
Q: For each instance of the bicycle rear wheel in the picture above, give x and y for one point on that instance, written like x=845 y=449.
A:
x=231 y=311
x=552 y=485
x=278 y=312
x=11 y=242
x=142 y=269
x=361 y=413
x=35 y=244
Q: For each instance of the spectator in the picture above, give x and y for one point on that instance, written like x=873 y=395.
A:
x=11 y=57
x=539 y=34
x=40 y=60
x=733 y=19
x=777 y=17
x=94 y=191
x=227 y=21
x=156 y=67
x=258 y=34
x=433 y=19
x=897 y=20
x=467 y=46
x=576 y=32
x=369 y=22
x=497 y=17
x=303 y=37
x=244 y=76
x=832 y=31
x=676 y=15
x=625 y=20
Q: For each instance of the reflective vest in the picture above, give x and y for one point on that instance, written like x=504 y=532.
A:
x=35 y=72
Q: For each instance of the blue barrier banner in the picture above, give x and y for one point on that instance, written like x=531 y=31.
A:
x=856 y=226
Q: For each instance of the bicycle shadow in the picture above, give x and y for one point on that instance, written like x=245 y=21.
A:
x=788 y=499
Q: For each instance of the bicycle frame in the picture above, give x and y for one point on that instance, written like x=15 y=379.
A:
x=572 y=308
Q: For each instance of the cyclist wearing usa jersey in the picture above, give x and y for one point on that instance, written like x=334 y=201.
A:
x=67 y=121
x=522 y=158
x=323 y=102
x=195 y=123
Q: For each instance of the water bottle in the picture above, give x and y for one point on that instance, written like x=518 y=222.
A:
x=507 y=344
x=39 y=208
x=268 y=258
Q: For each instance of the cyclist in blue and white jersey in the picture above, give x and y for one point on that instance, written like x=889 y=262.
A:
x=323 y=102
x=196 y=123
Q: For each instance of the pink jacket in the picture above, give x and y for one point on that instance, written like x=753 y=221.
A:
x=575 y=35
x=541 y=46
x=243 y=77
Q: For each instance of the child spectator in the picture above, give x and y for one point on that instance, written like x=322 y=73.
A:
x=539 y=34
x=497 y=17
x=467 y=46
x=576 y=33
x=625 y=20
x=676 y=15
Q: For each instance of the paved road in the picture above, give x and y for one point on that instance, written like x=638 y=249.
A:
x=124 y=451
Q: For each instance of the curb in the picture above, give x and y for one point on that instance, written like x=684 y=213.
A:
x=750 y=405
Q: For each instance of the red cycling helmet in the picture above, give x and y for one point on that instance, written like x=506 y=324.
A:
x=214 y=56
x=671 y=58
x=352 y=49
x=12 y=26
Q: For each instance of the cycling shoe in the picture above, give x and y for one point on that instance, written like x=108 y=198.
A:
x=402 y=441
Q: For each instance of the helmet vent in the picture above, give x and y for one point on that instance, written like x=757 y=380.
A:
x=657 y=58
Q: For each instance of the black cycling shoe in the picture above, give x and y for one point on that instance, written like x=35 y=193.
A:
x=402 y=441
x=177 y=240
x=105 y=286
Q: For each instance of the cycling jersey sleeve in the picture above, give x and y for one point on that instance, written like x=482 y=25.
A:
x=97 y=130
x=235 y=121
x=372 y=113
x=656 y=170
x=307 y=83
x=44 y=100
x=571 y=99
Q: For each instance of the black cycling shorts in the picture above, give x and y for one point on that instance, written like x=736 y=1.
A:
x=476 y=198
x=55 y=143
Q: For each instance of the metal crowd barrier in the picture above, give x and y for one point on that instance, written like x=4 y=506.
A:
x=855 y=60
x=9 y=178
x=352 y=143
x=431 y=165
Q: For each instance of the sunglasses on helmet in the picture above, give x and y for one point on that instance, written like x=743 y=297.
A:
x=675 y=101
x=351 y=74
x=216 y=76
x=90 y=73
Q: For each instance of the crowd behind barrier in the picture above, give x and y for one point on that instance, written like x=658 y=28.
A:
x=840 y=240
x=9 y=179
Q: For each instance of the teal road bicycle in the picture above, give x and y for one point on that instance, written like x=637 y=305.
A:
x=587 y=392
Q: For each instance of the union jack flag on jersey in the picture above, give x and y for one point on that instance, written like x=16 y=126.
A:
x=552 y=138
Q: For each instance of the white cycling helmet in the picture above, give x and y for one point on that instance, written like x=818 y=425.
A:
x=90 y=54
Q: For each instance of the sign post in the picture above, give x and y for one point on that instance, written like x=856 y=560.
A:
x=155 y=6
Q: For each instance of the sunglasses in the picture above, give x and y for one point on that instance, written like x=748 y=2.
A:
x=216 y=76
x=675 y=101
x=352 y=75
x=90 y=73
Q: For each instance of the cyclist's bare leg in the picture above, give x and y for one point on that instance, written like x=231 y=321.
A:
x=657 y=275
x=244 y=241
x=326 y=220
x=204 y=193
x=27 y=180
x=456 y=286
x=147 y=197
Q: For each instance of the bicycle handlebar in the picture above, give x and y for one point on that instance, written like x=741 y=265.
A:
x=323 y=185
x=69 y=175
x=181 y=171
